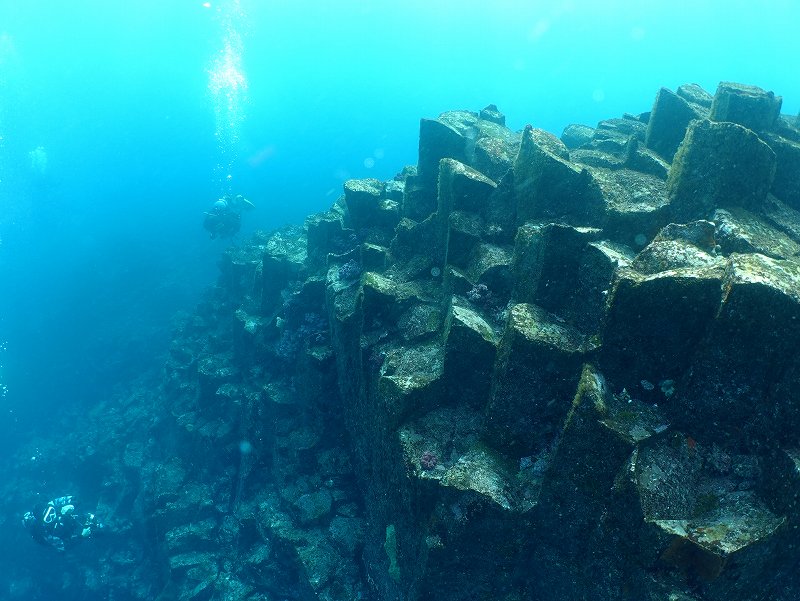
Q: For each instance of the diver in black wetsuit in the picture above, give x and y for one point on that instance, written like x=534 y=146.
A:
x=57 y=525
x=224 y=218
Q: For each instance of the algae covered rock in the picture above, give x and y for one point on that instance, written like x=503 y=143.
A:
x=462 y=188
x=748 y=106
x=462 y=210
x=700 y=516
x=530 y=368
x=474 y=496
x=730 y=390
x=438 y=140
x=314 y=506
x=326 y=234
x=556 y=370
x=679 y=246
x=367 y=205
x=636 y=204
x=597 y=437
x=719 y=165
x=491 y=113
x=470 y=350
x=563 y=270
x=548 y=186
x=671 y=115
x=478 y=140
x=695 y=94
x=411 y=379
x=655 y=322
x=738 y=230
x=478 y=471
x=786 y=185
x=525 y=400
x=576 y=135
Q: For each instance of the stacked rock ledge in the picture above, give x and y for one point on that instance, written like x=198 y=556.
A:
x=525 y=368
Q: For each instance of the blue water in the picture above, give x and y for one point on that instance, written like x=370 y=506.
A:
x=122 y=121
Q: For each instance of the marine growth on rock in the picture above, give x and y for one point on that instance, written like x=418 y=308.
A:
x=528 y=368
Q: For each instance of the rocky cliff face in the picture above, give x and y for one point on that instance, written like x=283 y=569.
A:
x=528 y=368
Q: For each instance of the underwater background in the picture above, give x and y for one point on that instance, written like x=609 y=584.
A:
x=121 y=123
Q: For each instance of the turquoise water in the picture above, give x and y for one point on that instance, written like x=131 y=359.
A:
x=120 y=123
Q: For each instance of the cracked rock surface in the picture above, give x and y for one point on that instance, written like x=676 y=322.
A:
x=527 y=368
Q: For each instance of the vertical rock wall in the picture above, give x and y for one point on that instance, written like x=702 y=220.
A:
x=524 y=369
x=545 y=371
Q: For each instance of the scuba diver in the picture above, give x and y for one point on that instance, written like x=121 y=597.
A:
x=225 y=217
x=57 y=525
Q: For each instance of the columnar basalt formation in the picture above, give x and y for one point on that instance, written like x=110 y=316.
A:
x=524 y=369
x=527 y=368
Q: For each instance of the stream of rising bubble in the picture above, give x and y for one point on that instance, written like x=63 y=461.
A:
x=227 y=86
x=6 y=51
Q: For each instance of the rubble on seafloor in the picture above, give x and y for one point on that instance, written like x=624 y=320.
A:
x=527 y=368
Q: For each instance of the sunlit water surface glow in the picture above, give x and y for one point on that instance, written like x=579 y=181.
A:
x=227 y=85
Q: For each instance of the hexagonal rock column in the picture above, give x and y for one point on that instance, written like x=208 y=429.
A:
x=283 y=259
x=462 y=200
x=326 y=234
x=669 y=119
x=213 y=371
x=489 y=264
x=749 y=346
x=466 y=525
x=702 y=549
x=718 y=165
x=695 y=94
x=786 y=185
x=479 y=140
x=780 y=484
x=462 y=188
x=740 y=231
x=576 y=135
x=366 y=205
x=537 y=369
x=469 y=356
x=748 y=106
x=437 y=140
x=787 y=392
x=411 y=382
x=559 y=268
x=711 y=531
x=548 y=187
x=636 y=205
x=655 y=322
x=574 y=549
